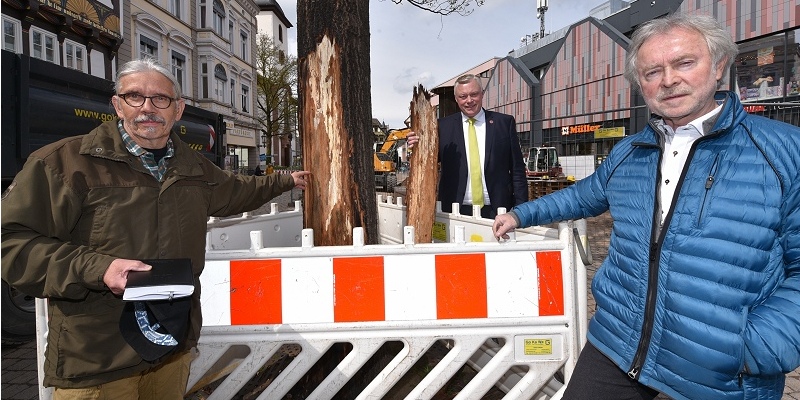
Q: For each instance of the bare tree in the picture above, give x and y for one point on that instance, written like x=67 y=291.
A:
x=277 y=85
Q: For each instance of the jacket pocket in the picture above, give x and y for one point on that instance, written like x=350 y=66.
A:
x=90 y=343
x=97 y=232
x=709 y=185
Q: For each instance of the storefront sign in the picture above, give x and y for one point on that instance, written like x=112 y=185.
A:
x=755 y=109
x=605 y=133
x=583 y=128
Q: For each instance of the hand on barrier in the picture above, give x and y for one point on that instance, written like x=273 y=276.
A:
x=503 y=224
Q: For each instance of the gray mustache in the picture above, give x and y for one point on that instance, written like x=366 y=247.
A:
x=149 y=118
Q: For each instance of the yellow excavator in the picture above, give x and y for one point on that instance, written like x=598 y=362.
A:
x=385 y=159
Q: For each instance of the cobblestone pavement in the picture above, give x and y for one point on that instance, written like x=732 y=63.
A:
x=19 y=377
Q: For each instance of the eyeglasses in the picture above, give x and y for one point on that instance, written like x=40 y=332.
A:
x=137 y=100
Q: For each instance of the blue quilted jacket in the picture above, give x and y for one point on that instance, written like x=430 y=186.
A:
x=707 y=307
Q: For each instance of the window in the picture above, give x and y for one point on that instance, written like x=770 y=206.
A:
x=12 y=35
x=245 y=45
x=219 y=17
x=230 y=34
x=280 y=33
x=793 y=63
x=245 y=98
x=203 y=23
x=178 y=66
x=219 y=90
x=760 y=69
x=204 y=79
x=43 y=45
x=220 y=79
x=147 y=47
x=74 y=56
x=233 y=94
x=176 y=8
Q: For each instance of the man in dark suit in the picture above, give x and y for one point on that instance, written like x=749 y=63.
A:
x=500 y=166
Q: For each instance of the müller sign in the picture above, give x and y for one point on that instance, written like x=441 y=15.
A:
x=585 y=128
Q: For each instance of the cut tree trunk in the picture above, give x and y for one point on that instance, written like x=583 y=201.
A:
x=424 y=167
x=335 y=119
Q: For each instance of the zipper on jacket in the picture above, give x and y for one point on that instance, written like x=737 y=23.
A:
x=709 y=183
x=652 y=278
x=649 y=312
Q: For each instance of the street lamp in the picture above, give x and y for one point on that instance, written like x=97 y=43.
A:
x=264 y=138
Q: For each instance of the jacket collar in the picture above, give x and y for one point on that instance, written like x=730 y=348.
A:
x=732 y=113
x=105 y=141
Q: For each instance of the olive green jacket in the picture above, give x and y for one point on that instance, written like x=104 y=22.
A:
x=84 y=201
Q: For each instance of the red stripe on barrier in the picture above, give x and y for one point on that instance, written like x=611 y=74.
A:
x=358 y=289
x=461 y=286
x=256 y=292
x=551 y=283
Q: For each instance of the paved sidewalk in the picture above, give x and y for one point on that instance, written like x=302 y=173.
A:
x=19 y=376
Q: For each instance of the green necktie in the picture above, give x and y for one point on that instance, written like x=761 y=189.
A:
x=476 y=177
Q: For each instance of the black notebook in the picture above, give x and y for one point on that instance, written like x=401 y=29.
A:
x=169 y=278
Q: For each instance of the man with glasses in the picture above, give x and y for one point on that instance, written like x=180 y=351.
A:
x=86 y=210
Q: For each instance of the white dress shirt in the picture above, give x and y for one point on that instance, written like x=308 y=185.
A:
x=677 y=144
x=480 y=131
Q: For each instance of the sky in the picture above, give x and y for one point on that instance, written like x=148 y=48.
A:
x=410 y=46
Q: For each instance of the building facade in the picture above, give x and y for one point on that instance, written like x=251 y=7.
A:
x=84 y=35
x=272 y=22
x=567 y=89
x=210 y=46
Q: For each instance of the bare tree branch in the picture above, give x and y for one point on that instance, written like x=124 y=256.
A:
x=444 y=7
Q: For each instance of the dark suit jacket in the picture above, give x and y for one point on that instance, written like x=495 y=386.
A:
x=503 y=168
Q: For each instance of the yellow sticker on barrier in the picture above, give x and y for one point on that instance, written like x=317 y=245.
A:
x=538 y=347
x=439 y=231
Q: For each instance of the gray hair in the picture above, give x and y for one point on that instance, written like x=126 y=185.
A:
x=718 y=39
x=467 y=78
x=146 y=65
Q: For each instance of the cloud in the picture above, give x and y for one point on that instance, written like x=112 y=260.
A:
x=405 y=82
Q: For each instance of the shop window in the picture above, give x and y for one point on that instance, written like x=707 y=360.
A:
x=793 y=64
x=760 y=69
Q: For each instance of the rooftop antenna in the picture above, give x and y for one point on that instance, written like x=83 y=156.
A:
x=541 y=8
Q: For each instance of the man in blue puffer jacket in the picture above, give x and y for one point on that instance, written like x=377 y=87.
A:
x=699 y=297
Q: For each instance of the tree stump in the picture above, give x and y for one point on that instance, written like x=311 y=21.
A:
x=424 y=167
